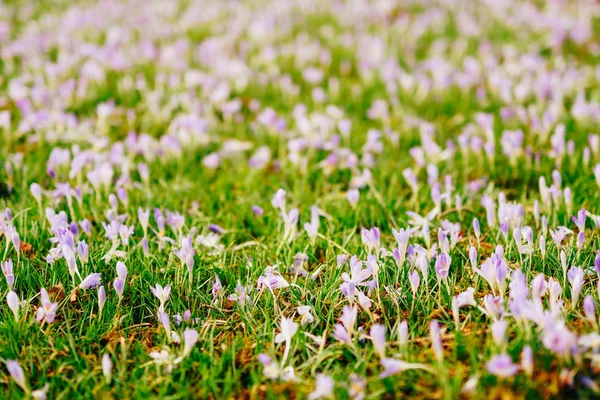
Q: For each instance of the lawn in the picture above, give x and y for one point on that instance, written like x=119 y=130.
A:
x=316 y=199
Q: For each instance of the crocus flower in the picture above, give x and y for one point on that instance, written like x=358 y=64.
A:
x=371 y=239
x=47 y=312
x=258 y=211
x=414 y=280
x=101 y=298
x=165 y=321
x=356 y=389
x=241 y=295
x=392 y=367
x=323 y=387
x=190 y=337
x=575 y=276
x=527 y=360
x=161 y=294
x=579 y=220
x=312 y=228
x=17 y=374
x=589 y=308
x=402 y=237
x=186 y=255
x=442 y=265
x=344 y=330
x=217 y=287
x=502 y=366
x=7 y=270
x=305 y=314
x=436 y=341
x=378 y=339
x=288 y=329
x=107 y=368
x=465 y=298
x=13 y=303
x=353 y=195
x=403 y=333
x=476 y=228
x=91 y=281
x=498 y=330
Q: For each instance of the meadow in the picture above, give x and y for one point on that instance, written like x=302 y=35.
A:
x=320 y=199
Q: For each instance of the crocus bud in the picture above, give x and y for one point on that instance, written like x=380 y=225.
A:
x=527 y=360
x=36 y=191
x=13 y=303
x=589 y=308
x=107 y=368
x=101 y=298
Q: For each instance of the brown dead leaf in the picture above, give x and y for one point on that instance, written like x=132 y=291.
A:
x=27 y=249
x=57 y=292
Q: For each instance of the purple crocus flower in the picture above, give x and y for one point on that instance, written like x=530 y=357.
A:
x=502 y=366
x=7 y=270
x=17 y=374
x=258 y=211
x=442 y=265
x=575 y=276
x=47 y=312
x=414 y=280
x=589 y=308
x=324 y=386
x=393 y=366
x=91 y=281
x=378 y=339
x=579 y=220
x=371 y=238
x=527 y=360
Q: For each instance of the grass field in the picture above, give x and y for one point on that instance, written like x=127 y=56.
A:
x=355 y=199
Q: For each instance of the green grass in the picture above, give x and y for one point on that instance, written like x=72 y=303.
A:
x=224 y=363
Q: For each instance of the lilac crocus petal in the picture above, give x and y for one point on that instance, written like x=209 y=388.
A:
x=119 y=286
x=442 y=265
x=7 y=270
x=436 y=340
x=502 y=366
x=165 y=321
x=288 y=329
x=101 y=298
x=107 y=368
x=589 y=309
x=13 y=303
x=36 y=191
x=473 y=257
x=17 y=374
x=527 y=360
x=371 y=238
x=403 y=333
x=576 y=276
x=378 y=339
x=216 y=229
x=323 y=387
x=305 y=313
x=121 y=270
x=476 y=228
x=393 y=366
x=83 y=251
x=190 y=338
x=498 y=330
x=258 y=211
x=414 y=280
x=91 y=281
x=353 y=195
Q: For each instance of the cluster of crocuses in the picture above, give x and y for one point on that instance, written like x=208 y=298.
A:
x=478 y=152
